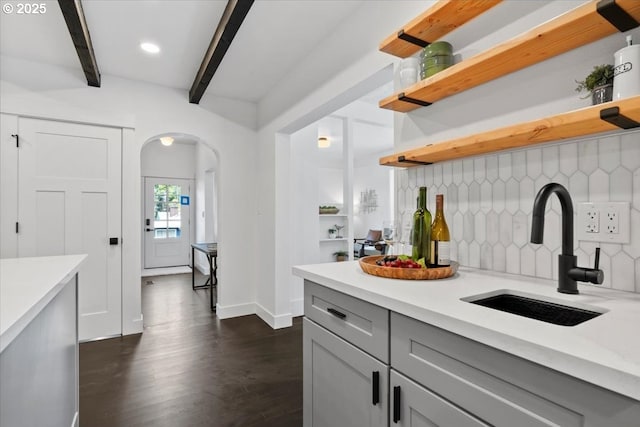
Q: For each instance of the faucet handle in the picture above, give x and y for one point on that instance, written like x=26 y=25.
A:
x=592 y=275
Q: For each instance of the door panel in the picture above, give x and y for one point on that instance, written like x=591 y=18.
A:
x=415 y=406
x=338 y=382
x=70 y=203
x=50 y=223
x=167 y=235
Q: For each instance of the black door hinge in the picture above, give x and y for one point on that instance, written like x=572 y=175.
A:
x=17 y=227
x=15 y=135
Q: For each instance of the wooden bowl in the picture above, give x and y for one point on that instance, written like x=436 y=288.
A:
x=369 y=266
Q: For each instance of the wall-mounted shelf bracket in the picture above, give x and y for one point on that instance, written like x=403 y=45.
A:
x=403 y=159
x=613 y=116
x=411 y=39
x=420 y=102
x=616 y=15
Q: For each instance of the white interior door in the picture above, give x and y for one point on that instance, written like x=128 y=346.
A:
x=166 y=223
x=70 y=203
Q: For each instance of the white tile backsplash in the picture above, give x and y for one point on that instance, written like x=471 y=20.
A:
x=489 y=200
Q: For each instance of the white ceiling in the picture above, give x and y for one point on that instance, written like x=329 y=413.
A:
x=273 y=37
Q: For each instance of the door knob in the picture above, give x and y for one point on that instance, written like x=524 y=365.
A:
x=150 y=229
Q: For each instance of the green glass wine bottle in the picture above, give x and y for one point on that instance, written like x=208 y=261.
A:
x=421 y=239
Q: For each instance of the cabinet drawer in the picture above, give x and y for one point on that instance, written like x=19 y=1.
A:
x=413 y=405
x=454 y=367
x=363 y=324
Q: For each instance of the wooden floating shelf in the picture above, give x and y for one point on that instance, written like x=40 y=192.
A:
x=568 y=31
x=582 y=122
x=439 y=20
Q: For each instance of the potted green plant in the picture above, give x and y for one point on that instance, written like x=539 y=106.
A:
x=599 y=84
x=341 y=255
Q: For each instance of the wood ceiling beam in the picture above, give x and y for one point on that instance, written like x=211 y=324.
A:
x=77 y=25
x=229 y=24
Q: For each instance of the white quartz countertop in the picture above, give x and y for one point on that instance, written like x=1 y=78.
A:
x=27 y=285
x=604 y=351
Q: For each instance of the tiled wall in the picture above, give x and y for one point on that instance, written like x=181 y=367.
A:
x=489 y=200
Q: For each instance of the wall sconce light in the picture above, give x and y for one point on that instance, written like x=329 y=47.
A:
x=323 y=142
x=368 y=201
x=166 y=141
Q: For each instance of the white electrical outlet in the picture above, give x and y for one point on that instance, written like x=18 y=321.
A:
x=592 y=221
x=612 y=220
x=607 y=222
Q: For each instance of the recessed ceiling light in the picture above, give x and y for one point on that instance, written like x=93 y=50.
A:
x=166 y=141
x=150 y=47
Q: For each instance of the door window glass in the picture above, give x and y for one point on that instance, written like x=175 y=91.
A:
x=166 y=211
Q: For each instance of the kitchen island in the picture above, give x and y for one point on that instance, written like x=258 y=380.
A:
x=436 y=339
x=39 y=341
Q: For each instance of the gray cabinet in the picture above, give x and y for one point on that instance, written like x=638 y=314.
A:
x=343 y=386
x=499 y=388
x=415 y=406
x=39 y=368
x=429 y=376
x=362 y=324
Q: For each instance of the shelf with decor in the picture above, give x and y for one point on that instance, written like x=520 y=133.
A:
x=610 y=116
x=341 y=239
x=580 y=26
x=436 y=22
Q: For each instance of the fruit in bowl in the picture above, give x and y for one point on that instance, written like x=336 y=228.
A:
x=400 y=261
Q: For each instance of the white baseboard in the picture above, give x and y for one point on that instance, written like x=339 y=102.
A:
x=202 y=268
x=297 y=307
x=165 y=271
x=229 y=311
x=74 y=423
x=276 y=322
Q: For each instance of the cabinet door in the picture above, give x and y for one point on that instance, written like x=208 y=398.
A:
x=343 y=386
x=414 y=406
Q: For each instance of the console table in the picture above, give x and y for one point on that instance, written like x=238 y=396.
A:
x=211 y=251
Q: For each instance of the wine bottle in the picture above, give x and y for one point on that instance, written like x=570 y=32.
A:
x=440 y=240
x=421 y=229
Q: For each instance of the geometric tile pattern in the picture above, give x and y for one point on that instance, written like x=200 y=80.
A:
x=489 y=199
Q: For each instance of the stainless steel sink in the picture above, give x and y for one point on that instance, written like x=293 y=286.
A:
x=530 y=306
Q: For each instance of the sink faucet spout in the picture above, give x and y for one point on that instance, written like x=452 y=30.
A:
x=568 y=271
x=539 y=205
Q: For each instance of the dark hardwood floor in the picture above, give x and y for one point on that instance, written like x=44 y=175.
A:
x=191 y=369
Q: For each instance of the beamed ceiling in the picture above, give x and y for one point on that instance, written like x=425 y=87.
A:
x=236 y=49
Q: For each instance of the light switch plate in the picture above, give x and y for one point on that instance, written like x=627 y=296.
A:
x=612 y=220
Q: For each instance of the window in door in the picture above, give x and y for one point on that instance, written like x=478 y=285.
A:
x=166 y=212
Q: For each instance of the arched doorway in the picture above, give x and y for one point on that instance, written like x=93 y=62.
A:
x=179 y=203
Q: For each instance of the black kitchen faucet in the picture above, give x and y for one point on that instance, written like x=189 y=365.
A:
x=568 y=271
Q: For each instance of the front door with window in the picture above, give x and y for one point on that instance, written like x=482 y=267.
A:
x=166 y=223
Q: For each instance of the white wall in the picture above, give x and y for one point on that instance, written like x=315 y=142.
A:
x=206 y=215
x=537 y=91
x=54 y=92
x=327 y=80
x=175 y=161
x=372 y=176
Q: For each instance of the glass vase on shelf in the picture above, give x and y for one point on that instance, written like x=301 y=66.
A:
x=421 y=239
